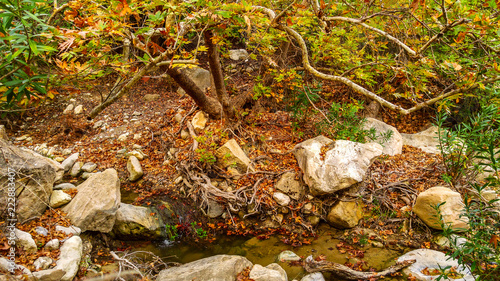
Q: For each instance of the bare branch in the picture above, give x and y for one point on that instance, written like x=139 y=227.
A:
x=381 y=32
x=441 y=33
x=56 y=11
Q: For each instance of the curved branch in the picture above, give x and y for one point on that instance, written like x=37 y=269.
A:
x=381 y=32
x=56 y=11
x=310 y=265
x=441 y=33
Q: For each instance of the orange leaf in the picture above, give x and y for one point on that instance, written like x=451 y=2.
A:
x=494 y=240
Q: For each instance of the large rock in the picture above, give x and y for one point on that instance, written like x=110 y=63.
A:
x=94 y=206
x=34 y=177
x=215 y=268
x=432 y=260
x=345 y=214
x=272 y=272
x=135 y=222
x=200 y=76
x=426 y=140
x=392 y=145
x=231 y=155
x=330 y=166
x=450 y=211
x=69 y=258
x=288 y=185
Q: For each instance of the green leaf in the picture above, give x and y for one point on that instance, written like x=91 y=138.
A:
x=33 y=47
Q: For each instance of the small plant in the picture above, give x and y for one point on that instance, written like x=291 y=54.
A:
x=172 y=232
x=205 y=156
x=200 y=232
x=345 y=124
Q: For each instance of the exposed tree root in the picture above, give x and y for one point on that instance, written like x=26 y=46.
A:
x=310 y=265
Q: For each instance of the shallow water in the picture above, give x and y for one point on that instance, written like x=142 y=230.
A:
x=265 y=252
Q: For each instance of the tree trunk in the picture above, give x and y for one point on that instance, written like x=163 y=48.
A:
x=207 y=104
x=218 y=76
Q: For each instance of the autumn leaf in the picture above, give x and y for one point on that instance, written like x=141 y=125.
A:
x=494 y=240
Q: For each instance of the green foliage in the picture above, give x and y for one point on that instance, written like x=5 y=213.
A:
x=200 y=232
x=172 y=232
x=23 y=50
x=345 y=123
x=470 y=148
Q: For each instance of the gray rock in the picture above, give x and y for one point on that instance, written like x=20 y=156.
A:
x=317 y=276
x=231 y=155
x=64 y=186
x=42 y=263
x=451 y=211
x=238 y=54
x=214 y=209
x=199 y=121
x=288 y=185
x=94 y=206
x=41 y=231
x=76 y=169
x=426 y=140
x=134 y=168
x=33 y=177
x=70 y=161
x=345 y=214
x=281 y=198
x=151 y=97
x=393 y=145
x=66 y=151
x=272 y=272
x=52 y=245
x=25 y=240
x=288 y=256
x=135 y=222
x=69 y=109
x=47 y=275
x=86 y=175
x=200 y=77
x=69 y=230
x=70 y=257
x=215 y=268
x=430 y=259
x=89 y=167
x=59 y=198
x=343 y=164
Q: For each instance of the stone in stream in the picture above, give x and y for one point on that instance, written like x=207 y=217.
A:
x=136 y=222
x=220 y=268
x=271 y=272
x=345 y=214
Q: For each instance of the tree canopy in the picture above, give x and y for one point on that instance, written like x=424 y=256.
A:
x=419 y=51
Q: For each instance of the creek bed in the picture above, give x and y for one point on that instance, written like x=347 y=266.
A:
x=265 y=252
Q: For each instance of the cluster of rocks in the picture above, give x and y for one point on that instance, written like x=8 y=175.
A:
x=72 y=109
